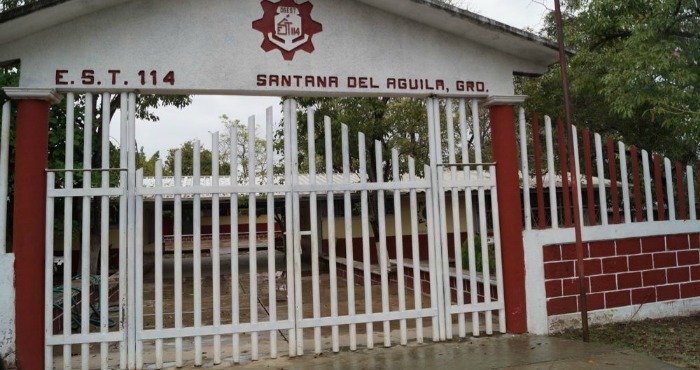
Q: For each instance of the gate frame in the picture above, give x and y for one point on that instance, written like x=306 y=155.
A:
x=32 y=119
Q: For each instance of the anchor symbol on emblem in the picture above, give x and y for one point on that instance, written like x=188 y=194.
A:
x=288 y=34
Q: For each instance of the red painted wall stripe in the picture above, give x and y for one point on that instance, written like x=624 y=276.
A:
x=589 y=176
x=660 y=207
x=682 y=200
x=612 y=168
x=638 y=214
x=566 y=204
x=541 y=218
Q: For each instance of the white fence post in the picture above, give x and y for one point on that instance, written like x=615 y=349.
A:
x=525 y=169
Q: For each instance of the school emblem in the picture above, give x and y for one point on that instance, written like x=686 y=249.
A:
x=287 y=27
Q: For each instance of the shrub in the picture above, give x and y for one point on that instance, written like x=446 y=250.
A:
x=478 y=255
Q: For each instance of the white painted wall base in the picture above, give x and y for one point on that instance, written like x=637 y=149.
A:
x=654 y=310
x=7 y=308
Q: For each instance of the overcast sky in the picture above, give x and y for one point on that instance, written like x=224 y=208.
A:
x=198 y=120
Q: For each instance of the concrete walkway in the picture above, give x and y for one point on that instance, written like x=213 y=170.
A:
x=500 y=352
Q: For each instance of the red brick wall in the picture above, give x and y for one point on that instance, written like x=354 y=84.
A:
x=623 y=272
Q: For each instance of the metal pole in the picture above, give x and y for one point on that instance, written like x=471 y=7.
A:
x=574 y=180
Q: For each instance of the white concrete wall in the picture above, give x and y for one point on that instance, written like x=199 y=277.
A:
x=7 y=307
x=213 y=49
x=538 y=322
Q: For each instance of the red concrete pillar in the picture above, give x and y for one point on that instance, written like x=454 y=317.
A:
x=29 y=222
x=505 y=154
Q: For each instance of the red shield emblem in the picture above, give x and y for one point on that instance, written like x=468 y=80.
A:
x=287 y=27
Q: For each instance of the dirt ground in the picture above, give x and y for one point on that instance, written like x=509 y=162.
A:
x=674 y=340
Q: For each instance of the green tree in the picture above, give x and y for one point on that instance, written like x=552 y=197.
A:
x=243 y=150
x=147 y=164
x=635 y=73
x=187 y=153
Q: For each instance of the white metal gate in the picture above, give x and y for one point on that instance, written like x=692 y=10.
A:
x=305 y=278
x=86 y=306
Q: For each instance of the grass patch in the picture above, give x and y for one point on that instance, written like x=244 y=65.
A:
x=674 y=340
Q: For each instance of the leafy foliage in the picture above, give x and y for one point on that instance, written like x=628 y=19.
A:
x=244 y=154
x=187 y=153
x=634 y=75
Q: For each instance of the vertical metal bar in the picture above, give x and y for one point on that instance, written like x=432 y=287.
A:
x=697 y=177
x=647 y=186
x=625 y=183
x=537 y=147
x=104 y=231
x=4 y=168
x=590 y=193
x=178 y=257
x=551 y=174
x=603 y=199
x=497 y=249
x=297 y=228
x=563 y=159
x=289 y=242
x=313 y=210
x=486 y=268
x=48 y=267
x=123 y=303
x=478 y=157
x=661 y=208
x=159 y=262
x=139 y=268
x=637 y=185
x=216 y=247
x=135 y=309
x=350 y=269
x=415 y=251
x=383 y=251
x=235 y=303
x=435 y=289
x=469 y=202
x=669 y=190
x=681 y=191
x=315 y=284
x=441 y=219
x=435 y=174
x=577 y=172
x=456 y=224
x=271 y=272
x=398 y=235
x=365 y=238
x=197 y=251
x=252 y=245
x=577 y=218
x=68 y=229
x=691 y=192
x=612 y=169
x=85 y=231
x=525 y=169
x=332 y=252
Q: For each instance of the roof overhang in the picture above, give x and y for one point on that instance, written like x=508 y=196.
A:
x=34 y=17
